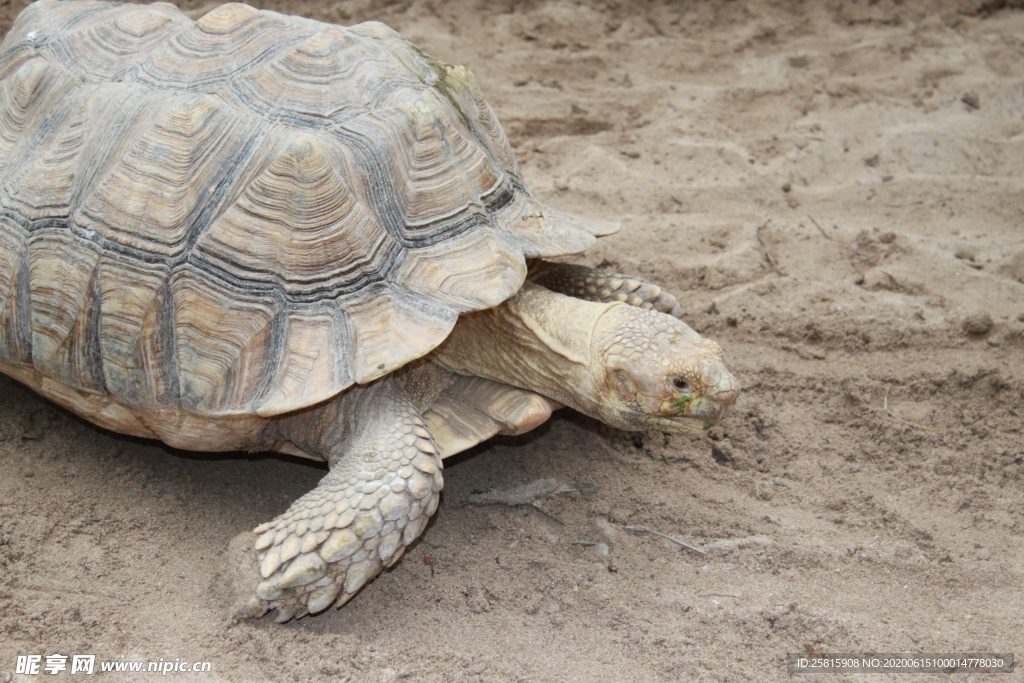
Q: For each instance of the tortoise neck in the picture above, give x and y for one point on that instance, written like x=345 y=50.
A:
x=537 y=340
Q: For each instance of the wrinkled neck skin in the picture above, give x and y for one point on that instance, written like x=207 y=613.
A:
x=537 y=340
x=630 y=368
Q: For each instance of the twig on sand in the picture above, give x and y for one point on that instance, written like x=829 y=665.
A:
x=645 y=530
x=821 y=229
x=722 y=595
x=885 y=407
x=764 y=249
x=529 y=494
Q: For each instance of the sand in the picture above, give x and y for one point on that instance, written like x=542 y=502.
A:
x=834 y=190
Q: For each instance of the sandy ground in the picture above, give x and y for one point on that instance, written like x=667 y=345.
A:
x=835 y=191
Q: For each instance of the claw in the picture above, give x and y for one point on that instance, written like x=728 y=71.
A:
x=270 y=563
x=265 y=540
x=269 y=590
x=413 y=529
x=388 y=545
x=285 y=613
x=394 y=558
x=290 y=548
x=360 y=573
x=321 y=599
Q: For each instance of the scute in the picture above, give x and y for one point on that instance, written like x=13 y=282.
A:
x=329 y=77
x=300 y=226
x=150 y=198
x=19 y=95
x=104 y=49
x=246 y=214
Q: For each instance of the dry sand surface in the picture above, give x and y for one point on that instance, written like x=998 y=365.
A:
x=835 y=190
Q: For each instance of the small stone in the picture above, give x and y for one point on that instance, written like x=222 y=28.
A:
x=478 y=597
x=977 y=324
x=965 y=254
x=602 y=549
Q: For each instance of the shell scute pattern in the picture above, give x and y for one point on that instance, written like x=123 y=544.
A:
x=327 y=78
x=101 y=51
x=228 y=41
x=245 y=214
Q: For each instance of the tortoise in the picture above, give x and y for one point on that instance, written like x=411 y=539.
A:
x=262 y=232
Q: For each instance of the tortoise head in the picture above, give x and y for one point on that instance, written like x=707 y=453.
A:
x=655 y=372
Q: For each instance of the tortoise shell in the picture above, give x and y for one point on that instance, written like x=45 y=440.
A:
x=245 y=214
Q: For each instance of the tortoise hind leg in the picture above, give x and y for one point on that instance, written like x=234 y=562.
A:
x=593 y=284
x=383 y=485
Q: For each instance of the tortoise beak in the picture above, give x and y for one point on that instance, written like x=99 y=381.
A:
x=721 y=399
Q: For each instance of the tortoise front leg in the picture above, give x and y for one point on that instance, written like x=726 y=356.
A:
x=593 y=284
x=383 y=485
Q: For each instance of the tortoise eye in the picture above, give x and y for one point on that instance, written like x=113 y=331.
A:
x=680 y=384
